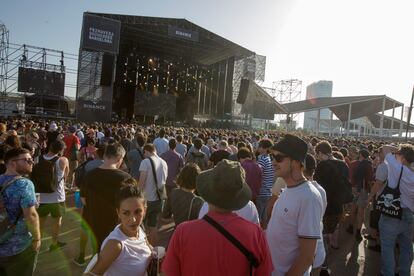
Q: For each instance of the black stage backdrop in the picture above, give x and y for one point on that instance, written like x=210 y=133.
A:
x=150 y=104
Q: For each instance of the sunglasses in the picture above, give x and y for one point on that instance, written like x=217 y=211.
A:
x=278 y=157
x=27 y=160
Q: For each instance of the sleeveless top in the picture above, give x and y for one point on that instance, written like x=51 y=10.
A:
x=59 y=195
x=134 y=257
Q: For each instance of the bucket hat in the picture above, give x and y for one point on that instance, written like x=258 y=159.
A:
x=225 y=186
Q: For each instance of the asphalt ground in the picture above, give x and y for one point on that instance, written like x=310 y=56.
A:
x=352 y=258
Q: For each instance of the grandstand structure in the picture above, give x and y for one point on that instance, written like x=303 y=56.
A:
x=369 y=109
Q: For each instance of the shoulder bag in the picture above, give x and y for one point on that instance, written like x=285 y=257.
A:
x=161 y=192
x=253 y=261
x=388 y=202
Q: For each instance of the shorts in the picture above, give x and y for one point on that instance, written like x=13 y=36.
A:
x=330 y=223
x=355 y=193
x=154 y=208
x=55 y=210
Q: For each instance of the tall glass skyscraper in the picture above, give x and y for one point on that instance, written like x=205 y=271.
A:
x=318 y=89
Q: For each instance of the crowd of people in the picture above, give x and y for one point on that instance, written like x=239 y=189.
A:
x=242 y=202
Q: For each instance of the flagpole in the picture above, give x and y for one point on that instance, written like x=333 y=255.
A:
x=409 y=116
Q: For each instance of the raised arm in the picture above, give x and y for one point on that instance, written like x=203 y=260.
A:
x=388 y=148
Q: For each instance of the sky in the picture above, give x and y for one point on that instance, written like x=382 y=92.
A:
x=364 y=46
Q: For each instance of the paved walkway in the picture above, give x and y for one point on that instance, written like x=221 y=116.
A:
x=351 y=259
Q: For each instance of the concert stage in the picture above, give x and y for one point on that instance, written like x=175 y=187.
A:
x=141 y=67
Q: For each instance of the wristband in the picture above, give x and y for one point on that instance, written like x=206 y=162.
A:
x=35 y=240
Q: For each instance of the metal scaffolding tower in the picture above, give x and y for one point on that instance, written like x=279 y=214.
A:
x=4 y=53
x=13 y=56
x=287 y=91
x=260 y=69
x=252 y=67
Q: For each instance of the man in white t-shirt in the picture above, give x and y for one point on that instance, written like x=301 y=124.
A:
x=152 y=188
x=294 y=226
x=393 y=230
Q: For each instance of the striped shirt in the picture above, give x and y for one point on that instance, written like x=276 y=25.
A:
x=268 y=177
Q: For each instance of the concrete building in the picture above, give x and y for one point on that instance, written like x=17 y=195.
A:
x=318 y=89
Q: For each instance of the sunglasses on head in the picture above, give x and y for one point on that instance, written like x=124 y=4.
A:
x=278 y=157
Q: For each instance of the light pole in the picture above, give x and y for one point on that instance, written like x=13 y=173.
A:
x=409 y=116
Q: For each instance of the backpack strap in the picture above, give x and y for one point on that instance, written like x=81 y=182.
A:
x=8 y=183
x=3 y=189
x=191 y=207
x=140 y=154
x=54 y=160
x=253 y=261
x=155 y=177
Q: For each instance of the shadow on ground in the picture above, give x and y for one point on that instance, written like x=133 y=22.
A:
x=352 y=258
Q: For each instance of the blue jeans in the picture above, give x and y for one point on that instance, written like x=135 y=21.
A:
x=392 y=231
x=261 y=204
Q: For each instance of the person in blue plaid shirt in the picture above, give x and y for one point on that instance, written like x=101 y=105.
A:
x=19 y=251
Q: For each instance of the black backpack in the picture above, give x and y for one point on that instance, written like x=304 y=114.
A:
x=44 y=175
x=343 y=186
x=199 y=159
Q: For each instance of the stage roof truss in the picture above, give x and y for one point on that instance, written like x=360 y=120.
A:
x=152 y=32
